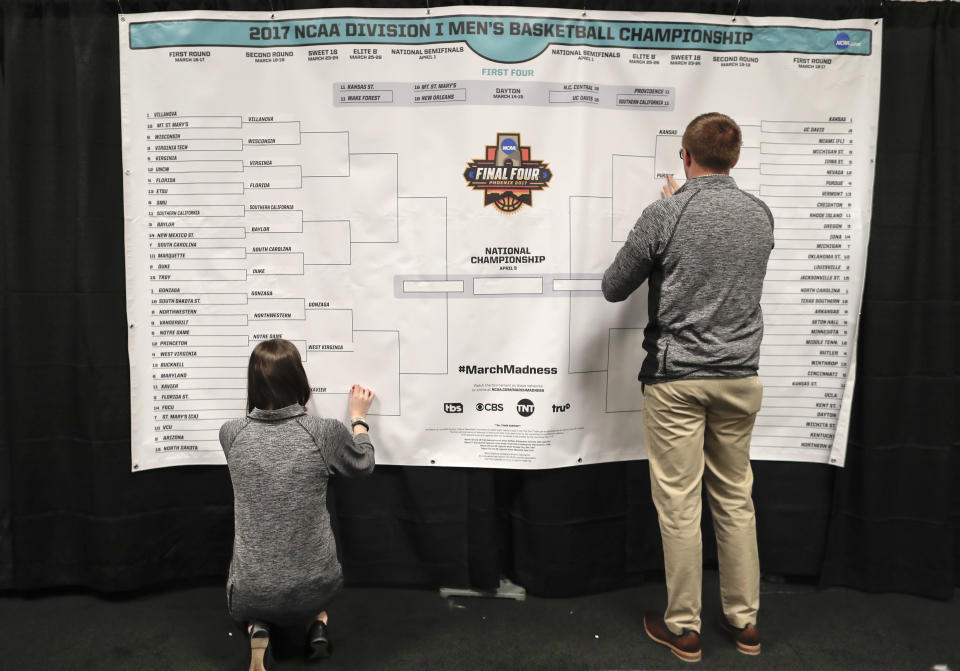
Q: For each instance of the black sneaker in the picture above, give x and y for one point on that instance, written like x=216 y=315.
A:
x=259 y=647
x=318 y=645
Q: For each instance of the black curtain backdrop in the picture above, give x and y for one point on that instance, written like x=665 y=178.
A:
x=72 y=513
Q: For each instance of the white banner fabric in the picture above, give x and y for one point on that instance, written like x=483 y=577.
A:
x=425 y=202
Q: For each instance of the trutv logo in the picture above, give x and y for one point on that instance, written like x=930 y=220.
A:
x=560 y=408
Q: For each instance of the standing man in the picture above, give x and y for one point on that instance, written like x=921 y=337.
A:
x=704 y=249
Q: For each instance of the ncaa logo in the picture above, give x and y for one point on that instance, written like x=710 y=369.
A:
x=525 y=407
x=842 y=41
x=453 y=408
x=508 y=146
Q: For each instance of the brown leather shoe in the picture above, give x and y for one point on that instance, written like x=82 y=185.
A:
x=747 y=639
x=686 y=646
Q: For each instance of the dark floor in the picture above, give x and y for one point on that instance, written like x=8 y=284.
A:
x=804 y=629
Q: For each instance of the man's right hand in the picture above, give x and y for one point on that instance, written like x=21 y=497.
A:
x=670 y=187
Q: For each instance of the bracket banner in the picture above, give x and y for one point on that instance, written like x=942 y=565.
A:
x=425 y=204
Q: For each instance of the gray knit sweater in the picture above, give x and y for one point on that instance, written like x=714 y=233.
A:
x=284 y=567
x=705 y=253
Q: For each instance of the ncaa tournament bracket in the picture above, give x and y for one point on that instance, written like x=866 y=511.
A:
x=425 y=204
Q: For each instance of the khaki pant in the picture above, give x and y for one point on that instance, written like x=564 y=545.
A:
x=689 y=424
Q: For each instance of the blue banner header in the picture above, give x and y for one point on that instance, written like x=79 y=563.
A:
x=503 y=39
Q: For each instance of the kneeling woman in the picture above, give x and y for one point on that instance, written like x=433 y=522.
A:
x=284 y=568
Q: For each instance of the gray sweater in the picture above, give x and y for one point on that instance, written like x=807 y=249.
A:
x=284 y=567
x=705 y=253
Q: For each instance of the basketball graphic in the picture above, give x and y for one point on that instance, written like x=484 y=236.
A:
x=508 y=203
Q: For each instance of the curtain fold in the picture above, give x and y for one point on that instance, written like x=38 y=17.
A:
x=894 y=523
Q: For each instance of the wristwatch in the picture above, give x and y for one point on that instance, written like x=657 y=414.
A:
x=359 y=421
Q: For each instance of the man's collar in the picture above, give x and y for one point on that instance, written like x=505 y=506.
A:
x=703 y=181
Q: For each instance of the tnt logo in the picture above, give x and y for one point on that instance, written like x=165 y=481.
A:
x=525 y=407
x=453 y=408
x=561 y=408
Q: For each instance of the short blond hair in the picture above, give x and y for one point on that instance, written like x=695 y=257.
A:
x=713 y=140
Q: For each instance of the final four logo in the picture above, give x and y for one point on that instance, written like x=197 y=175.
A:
x=507 y=175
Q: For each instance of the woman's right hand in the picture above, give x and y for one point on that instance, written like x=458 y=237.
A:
x=360 y=400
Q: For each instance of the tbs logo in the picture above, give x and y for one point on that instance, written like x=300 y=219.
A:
x=453 y=408
x=525 y=407
x=490 y=407
x=561 y=408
